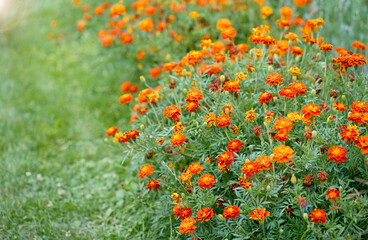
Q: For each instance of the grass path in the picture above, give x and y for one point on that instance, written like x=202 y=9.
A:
x=58 y=176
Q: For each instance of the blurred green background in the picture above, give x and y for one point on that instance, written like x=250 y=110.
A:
x=59 y=178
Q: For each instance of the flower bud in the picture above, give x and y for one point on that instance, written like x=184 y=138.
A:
x=142 y=79
x=281 y=231
x=222 y=78
x=142 y=126
x=297 y=58
x=343 y=97
x=313 y=92
x=323 y=64
x=182 y=195
x=270 y=68
x=139 y=66
x=314 y=133
x=268 y=188
x=151 y=136
x=221 y=217
x=275 y=99
x=106 y=139
x=276 y=57
x=185 y=90
x=305 y=216
x=271 y=156
x=293 y=179
x=168 y=56
x=251 y=147
x=170 y=165
x=241 y=229
x=247 y=160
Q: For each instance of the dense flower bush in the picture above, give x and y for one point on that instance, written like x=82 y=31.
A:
x=264 y=139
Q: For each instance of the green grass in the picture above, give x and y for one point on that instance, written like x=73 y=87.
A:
x=56 y=100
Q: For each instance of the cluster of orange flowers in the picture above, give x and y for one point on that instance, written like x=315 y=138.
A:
x=205 y=98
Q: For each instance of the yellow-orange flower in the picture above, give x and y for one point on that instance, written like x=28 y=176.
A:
x=310 y=110
x=318 y=216
x=332 y=194
x=223 y=121
x=206 y=181
x=259 y=214
x=173 y=112
x=111 y=131
x=187 y=225
x=204 y=214
x=231 y=212
x=251 y=115
x=177 y=139
x=195 y=168
x=274 y=79
x=146 y=171
x=283 y=153
x=146 y=25
x=337 y=153
x=211 y=119
x=266 y=11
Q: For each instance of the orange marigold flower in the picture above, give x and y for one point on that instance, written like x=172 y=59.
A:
x=332 y=194
x=286 y=12
x=204 y=214
x=251 y=115
x=358 y=45
x=318 y=216
x=155 y=72
x=362 y=143
x=231 y=212
x=287 y=93
x=228 y=33
x=146 y=171
x=283 y=153
x=337 y=153
x=250 y=168
x=325 y=47
x=185 y=212
x=350 y=134
x=126 y=98
x=231 y=86
x=301 y=3
x=194 y=95
x=234 y=145
x=167 y=67
x=111 y=131
x=295 y=50
x=283 y=23
x=223 y=24
x=107 y=40
x=219 y=57
x=117 y=10
x=185 y=178
x=195 y=168
x=211 y=119
x=274 y=79
x=132 y=134
x=225 y=158
x=152 y=184
x=177 y=139
x=268 y=40
x=178 y=127
x=146 y=25
x=191 y=106
x=299 y=87
x=194 y=57
x=283 y=124
x=264 y=162
x=244 y=182
x=281 y=136
x=126 y=38
x=292 y=37
x=310 y=110
x=173 y=112
x=223 y=121
x=265 y=97
x=259 y=214
x=206 y=181
x=355 y=117
x=294 y=117
x=360 y=107
x=339 y=106
x=187 y=225
x=266 y=11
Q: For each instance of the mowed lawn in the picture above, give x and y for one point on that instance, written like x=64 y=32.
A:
x=59 y=177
